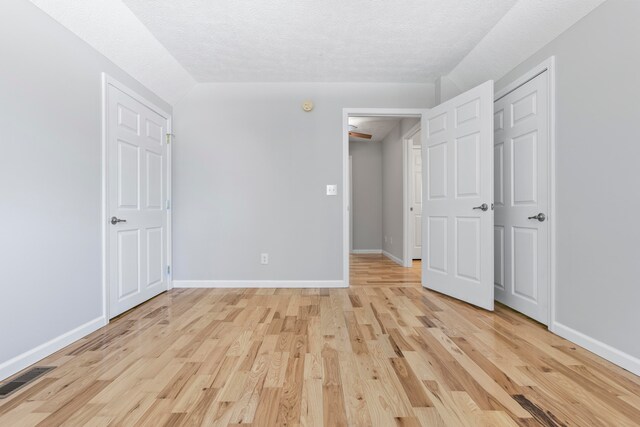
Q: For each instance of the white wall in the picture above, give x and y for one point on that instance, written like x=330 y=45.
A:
x=50 y=184
x=392 y=188
x=250 y=170
x=445 y=89
x=598 y=149
x=367 y=194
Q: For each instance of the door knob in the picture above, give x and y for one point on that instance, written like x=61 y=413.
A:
x=540 y=217
x=483 y=207
x=115 y=220
x=411 y=208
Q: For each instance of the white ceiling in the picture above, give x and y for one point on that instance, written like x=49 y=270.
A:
x=310 y=40
x=377 y=127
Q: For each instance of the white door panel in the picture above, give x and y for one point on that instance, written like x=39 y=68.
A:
x=137 y=180
x=521 y=151
x=128 y=265
x=524 y=259
x=498 y=258
x=458 y=237
x=436 y=171
x=155 y=256
x=437 y=250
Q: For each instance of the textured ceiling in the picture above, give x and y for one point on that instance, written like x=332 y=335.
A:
x=113 y=30
x=311 y=40
x=377 y=127
x=528 y=27
x=166 y=43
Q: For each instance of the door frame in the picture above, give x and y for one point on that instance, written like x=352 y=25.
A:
x=407 y=146
x=350 y=189
x=361 y=112
x=549 y=66
x=107 y=81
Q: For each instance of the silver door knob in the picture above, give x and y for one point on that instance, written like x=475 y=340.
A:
x=483 y=207
x=540 y=217
x=115 y=220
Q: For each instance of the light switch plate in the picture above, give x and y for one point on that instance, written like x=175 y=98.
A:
x=332 y=190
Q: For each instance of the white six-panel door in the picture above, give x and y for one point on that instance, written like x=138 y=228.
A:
x=137 y=188
x=415 y=189
x=457 y=226
x=521 y=152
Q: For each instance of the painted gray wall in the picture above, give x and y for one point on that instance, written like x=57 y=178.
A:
x=445 y=89
x=50 y=178
x=392 y=187
x=367 y=194
x=597 y=152
x=250 y=175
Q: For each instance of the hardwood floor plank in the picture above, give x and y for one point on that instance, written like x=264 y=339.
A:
x=356 y=406
x=269 y=403
x=291 y=396
x=411 y=384
x=312 y=405
x=73 y=406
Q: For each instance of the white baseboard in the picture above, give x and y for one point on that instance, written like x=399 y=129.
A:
x=613 y=355
x=366 y=251
x=259 y=284
x=32 y=356
x=393 y=258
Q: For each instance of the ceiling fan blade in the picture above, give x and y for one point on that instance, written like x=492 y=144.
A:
x=360 y=135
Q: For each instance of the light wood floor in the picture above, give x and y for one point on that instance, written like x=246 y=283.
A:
x=384 y=352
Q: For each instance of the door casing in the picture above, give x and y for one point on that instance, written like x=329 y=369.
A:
x=363 y=112
x=350 y=189
x=106 y=82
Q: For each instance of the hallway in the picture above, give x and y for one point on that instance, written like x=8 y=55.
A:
x=378 y=270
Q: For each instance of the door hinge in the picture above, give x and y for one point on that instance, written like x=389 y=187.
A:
x=170 y=138
x=168 y=204
x=168 y=270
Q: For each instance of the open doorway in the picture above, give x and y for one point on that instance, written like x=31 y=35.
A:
x=457 y=231
x=376 y=183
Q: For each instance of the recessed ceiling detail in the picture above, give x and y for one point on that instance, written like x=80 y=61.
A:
x=166 y=44
x=332 y=40
x=114 y=31
x=528 y=27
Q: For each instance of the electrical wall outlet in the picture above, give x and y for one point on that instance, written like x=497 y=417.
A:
x=264 y=259
x=332 y=190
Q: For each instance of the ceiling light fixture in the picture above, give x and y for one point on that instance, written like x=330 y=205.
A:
x=354 y=134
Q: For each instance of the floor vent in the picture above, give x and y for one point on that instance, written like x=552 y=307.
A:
x=22 y=380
